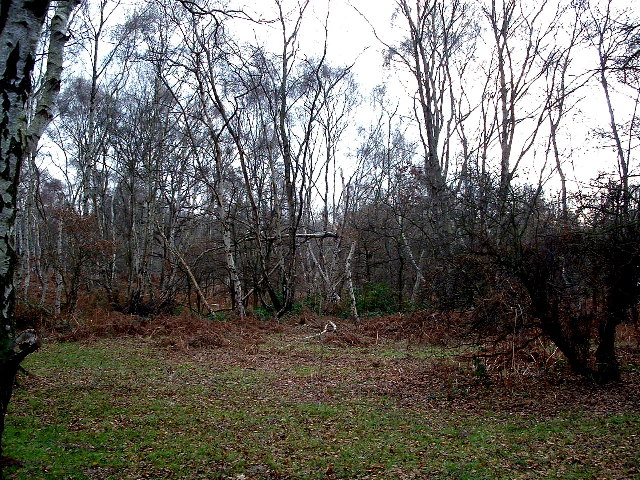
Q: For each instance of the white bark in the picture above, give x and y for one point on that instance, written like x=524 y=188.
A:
x=419 y=278
x=48 y=92
x=419 y=275
x=352 y=294
x=26 y=251
x=21 y=23
x=233 y=272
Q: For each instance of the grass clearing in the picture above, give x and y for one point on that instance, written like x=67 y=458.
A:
x=298 y=409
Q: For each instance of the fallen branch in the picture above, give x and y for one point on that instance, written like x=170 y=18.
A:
x=334 y=328
x=190 y=274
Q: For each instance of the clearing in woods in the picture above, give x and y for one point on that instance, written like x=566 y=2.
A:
x=284 y=403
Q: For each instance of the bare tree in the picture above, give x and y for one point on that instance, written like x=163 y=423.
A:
x=520 y=38
x=560 y=93
x=613 y=36
x=439 y=34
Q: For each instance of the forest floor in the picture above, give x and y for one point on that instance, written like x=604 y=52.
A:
x=280 y=401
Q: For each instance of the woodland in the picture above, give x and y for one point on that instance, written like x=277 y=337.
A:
x=210 y=177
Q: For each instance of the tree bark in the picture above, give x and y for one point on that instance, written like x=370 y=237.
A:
x=352 y=294
x=607 y=368
x=21 y=23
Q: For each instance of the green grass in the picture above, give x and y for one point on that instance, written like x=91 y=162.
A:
x=121 y=409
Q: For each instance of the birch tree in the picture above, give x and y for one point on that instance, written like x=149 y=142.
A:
x=20 y=32
x=438 y=35
x=203 y=66
x=521 y=37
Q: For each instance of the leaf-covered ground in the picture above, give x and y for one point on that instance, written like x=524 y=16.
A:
x=287 y=406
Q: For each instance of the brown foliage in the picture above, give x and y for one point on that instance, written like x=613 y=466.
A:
x=175 y=331
x=434 y=328
x=496 y=356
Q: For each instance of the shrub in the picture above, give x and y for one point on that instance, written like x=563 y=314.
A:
x=376 y=298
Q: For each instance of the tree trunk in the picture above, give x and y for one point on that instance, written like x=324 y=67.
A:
x=607 y=368
x=21 y=25
x=236 y=285
x=59 y=276
x=352 y=294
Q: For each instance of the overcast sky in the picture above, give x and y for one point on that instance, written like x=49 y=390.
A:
x=351 y=40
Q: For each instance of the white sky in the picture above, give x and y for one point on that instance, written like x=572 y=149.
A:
x=351 y=39
x=589 y=156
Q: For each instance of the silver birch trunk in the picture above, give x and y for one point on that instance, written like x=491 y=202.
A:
x=26 y=252
x=30 y=226
x=21 y=24
x=233 y=272
x=419 y=279
x=416 y=265
x=223 y=218
x=112 y=233
x=352 y=293
x=37 y=252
